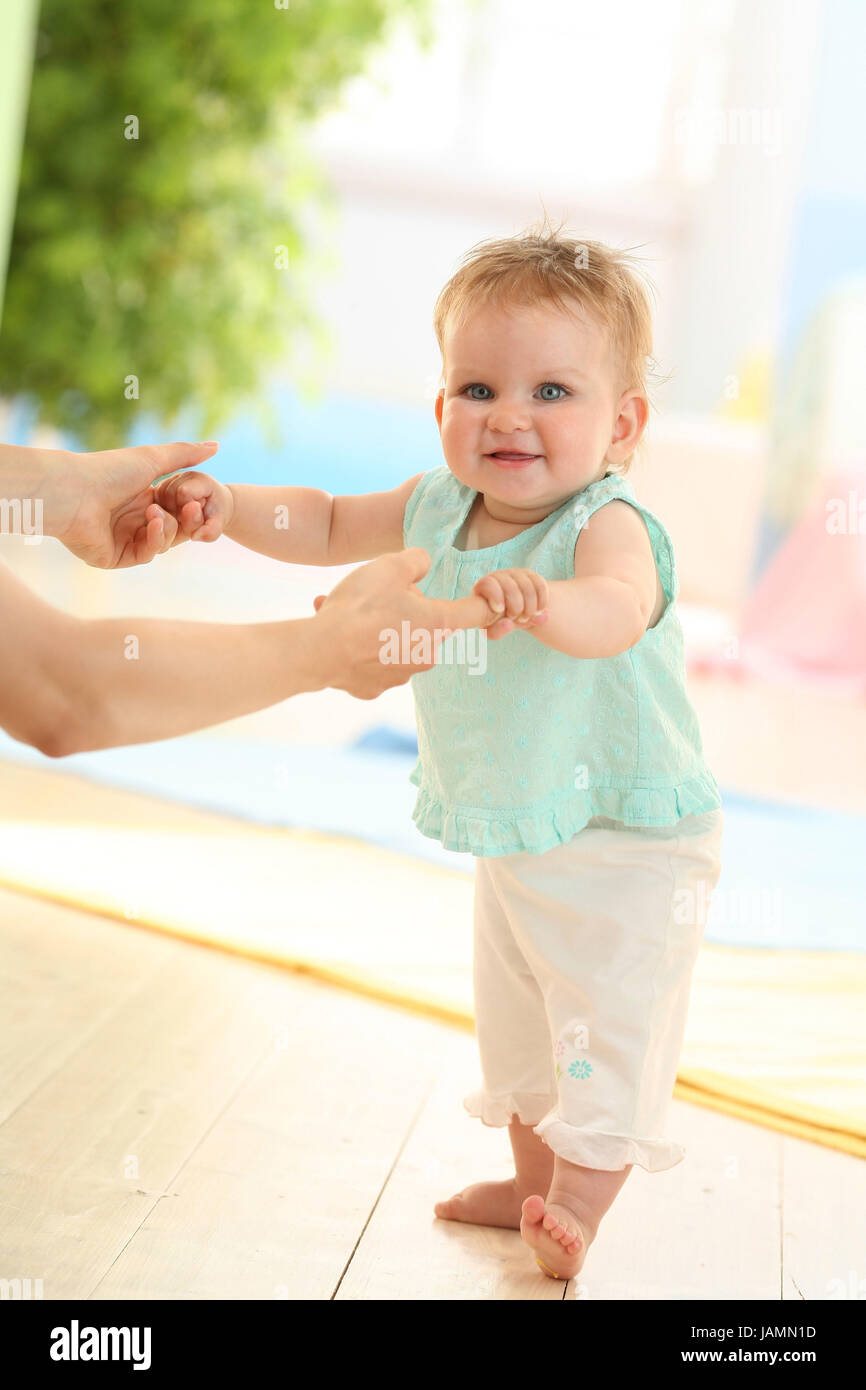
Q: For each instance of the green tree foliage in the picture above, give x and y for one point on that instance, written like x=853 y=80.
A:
x=156 y=257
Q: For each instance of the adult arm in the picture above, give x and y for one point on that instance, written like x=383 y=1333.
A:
x=70 y=685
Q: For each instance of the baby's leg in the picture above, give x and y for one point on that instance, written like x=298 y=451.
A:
x=519 y=1086
x=501 y=1203
x=611 y=924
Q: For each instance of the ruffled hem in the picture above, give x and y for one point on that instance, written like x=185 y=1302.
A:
x=590 y=1148
x=595 y=1149
x=499 y=1110
x=537 y=830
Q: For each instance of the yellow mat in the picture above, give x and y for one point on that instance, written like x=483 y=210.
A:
x=774 y=1037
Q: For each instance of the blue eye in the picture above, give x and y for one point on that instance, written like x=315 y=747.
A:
x=549 y=386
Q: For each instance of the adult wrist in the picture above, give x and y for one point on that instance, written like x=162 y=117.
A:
x=58 y=480
x=317 y=656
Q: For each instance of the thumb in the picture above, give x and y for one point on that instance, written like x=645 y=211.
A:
x=414 y=563
x=170 y=458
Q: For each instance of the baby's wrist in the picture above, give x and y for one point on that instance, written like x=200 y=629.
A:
x=229 y=505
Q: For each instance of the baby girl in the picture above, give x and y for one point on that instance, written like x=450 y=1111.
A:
x=572 y=767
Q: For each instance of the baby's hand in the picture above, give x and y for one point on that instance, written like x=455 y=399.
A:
x=516 y=596
x=201 y=506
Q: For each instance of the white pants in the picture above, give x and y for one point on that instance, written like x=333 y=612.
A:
x=582 y=972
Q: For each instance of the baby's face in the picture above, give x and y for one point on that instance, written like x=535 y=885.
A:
x=530 y=412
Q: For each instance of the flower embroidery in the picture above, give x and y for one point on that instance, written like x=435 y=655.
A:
x=559 y=1049
x=580 y=1070
x=558 y=1072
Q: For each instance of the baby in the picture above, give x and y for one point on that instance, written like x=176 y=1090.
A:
x=572 y=766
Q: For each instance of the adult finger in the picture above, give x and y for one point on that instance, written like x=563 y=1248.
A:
x=472 y=611
x=410 y=565
x=170 y=529
x=169 y=458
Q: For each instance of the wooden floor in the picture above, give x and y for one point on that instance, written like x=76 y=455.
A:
x=178 y=1123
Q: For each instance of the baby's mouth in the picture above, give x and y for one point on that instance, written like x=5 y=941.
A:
x=510 y=458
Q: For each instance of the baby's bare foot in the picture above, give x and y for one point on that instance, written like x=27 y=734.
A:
x=555 y=1236
x=485 y=1204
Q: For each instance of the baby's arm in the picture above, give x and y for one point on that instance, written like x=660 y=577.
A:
x=310 y=527
x=301 y=524
x=605 y=609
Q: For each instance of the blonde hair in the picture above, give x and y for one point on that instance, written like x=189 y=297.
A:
x=541 y=266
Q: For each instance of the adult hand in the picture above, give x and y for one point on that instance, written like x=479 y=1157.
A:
x=378 y=597
x=101 y=505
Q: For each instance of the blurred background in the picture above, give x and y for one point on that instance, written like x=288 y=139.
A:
x=232 y=222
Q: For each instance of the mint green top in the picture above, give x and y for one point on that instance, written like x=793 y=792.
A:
x=520 y=758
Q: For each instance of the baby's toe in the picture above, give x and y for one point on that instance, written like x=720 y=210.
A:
x=533 y=1209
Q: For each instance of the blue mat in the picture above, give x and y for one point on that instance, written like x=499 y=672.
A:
x=792 y=876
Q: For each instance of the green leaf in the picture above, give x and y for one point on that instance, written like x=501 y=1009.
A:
x=155 y=257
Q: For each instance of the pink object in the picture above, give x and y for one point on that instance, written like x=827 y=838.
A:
x=807 y=615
